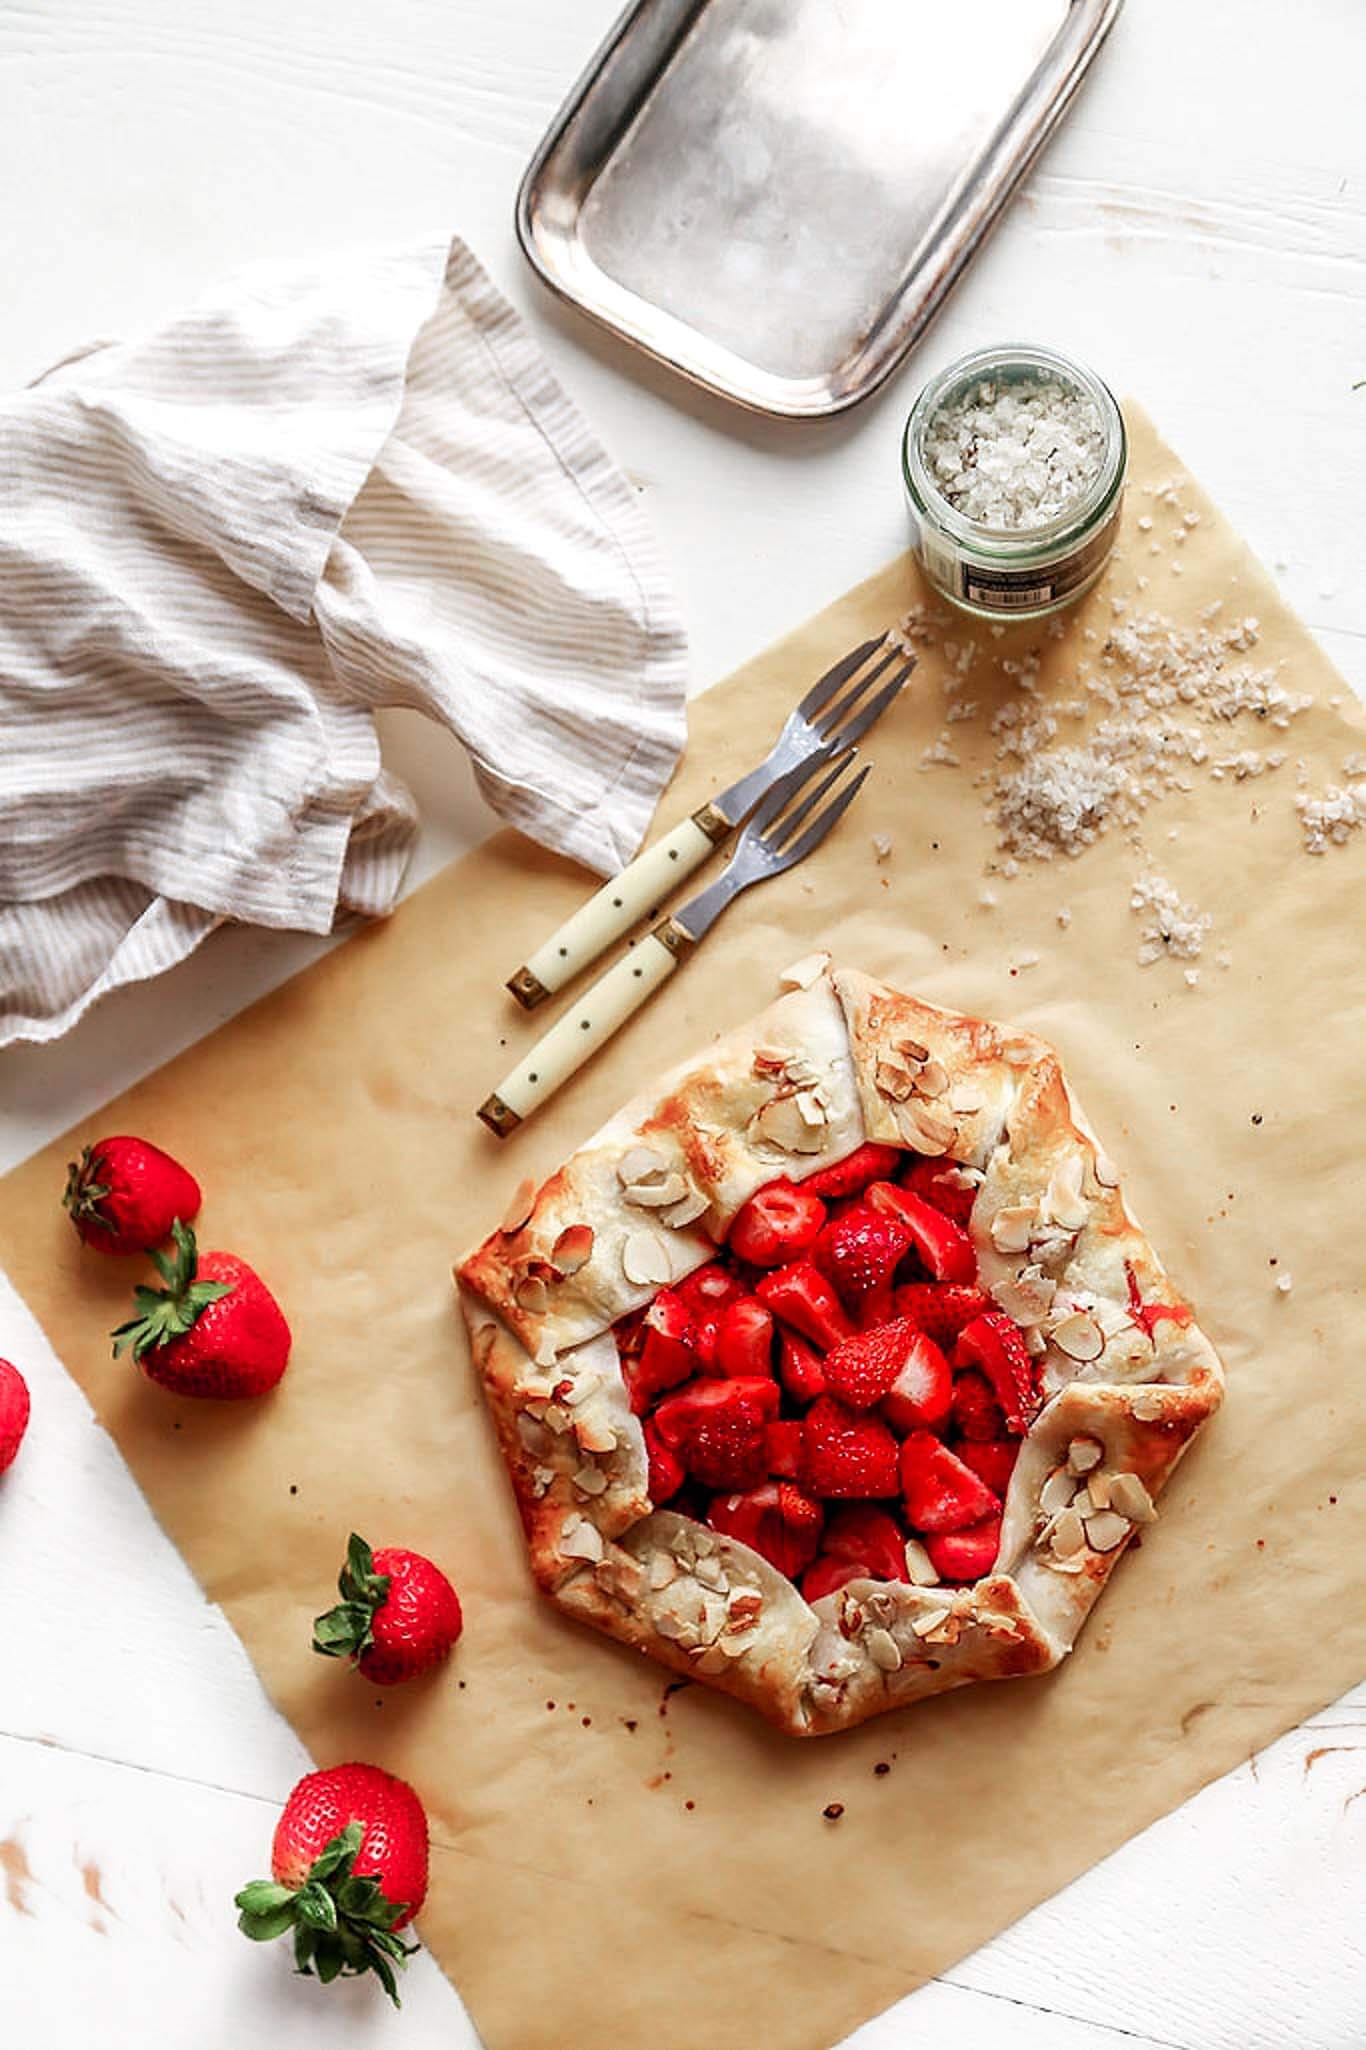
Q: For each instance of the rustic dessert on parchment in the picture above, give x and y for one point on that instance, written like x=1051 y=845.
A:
x=836 y=1372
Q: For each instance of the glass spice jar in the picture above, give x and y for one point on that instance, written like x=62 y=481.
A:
x=1052 y=500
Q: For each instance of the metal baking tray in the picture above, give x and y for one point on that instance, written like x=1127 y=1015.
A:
x=774 y=196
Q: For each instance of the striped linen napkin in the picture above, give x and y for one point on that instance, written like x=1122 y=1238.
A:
x=224 y=545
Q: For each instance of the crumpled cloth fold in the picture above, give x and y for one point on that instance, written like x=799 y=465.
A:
x=224 y=545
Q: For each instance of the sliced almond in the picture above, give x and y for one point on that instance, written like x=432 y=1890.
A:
x=1106 y=1173
x=594 y=1434
x=663 y=1570
x=966 y=1098
x=645 y=1260
x=620 y=1575
x=520 y=1206
x=1057 y=1492
x=1105 y=1530
x=883 y=1650
x=711 y=1659
x=929 y=1620
x=894 y=1081
x=1079 y=1336
x=534 y=1435
x=1129 y=1496
x=686 y=1212
x=743 y=1608
x=541 y=1478
x=1026 y=1296
x=711 y=1574
x=1068 y=1534
x=911 y=1050
x=712 y=1617
x=657 y=1193
x=802 y=974
x=1083 y=1454
x=812 y=1106
x=590 y=1480
x=580 y=1539
x=926 y=1126
x=783 y=1124
x=1010 y=1228
x=1098 y=1490
x=1148 y=1405
x=532 y=1295
x=1063 y=1200
x=1036 y=1345
x=933 y=1079
x=572 y=1249
x=918 y=1565
x=735 y=1647
x=641 y=1164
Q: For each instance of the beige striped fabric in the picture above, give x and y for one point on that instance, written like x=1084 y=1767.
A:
x=224 y=545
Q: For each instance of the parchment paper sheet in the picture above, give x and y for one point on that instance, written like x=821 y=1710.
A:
x=654 y=1872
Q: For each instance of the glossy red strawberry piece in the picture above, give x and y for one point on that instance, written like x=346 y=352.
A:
x=799 y=1367
x=744 y=1339
x=802 y=1297
x=847 y=1456
x=784 y=1439
x=124 y=1194
x=668 y=1350
x=965 y=1554
x=871 y=1538
x=944 y=1247
x=707 y=1293
x=996 y=1345
x=940 y=1309
x=717 y=1430
x=975 y=1412
x=778 y=1224
x=920 y=1397
x=666 y=1474
x=867 y=1163
x=941 y=1492
x=938 y=1182
x=781 y=1523
x=992 y=1460
x=826 y=1575
x=862 y=1369
x=858 y=1251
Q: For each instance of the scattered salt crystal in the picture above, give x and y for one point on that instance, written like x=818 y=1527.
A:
x=1172 y=927
x=940 y=754
x=1284 y=1284
x=882 y=846
x=1064 y=917
x=1192 y=978
x=1015 y=455
x=1330 y=819
x=1145 y=525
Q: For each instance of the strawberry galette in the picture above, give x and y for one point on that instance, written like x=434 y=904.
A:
x=837 y=1373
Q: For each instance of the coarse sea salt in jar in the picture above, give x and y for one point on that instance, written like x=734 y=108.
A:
x=1013 y=460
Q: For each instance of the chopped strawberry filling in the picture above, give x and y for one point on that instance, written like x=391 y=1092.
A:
x=921 y=1395
x=744 y=1339
x=867 y=1163
x=778 y=1223
x=965 y=1554
x=847 y=1456
x=803 y=1298
x=799 y=1367
x=992 y=1460
x=996 y=1345
x=1148 y=1316
x=798 y=1397
x=716 y=1430
x=944 y=1247
x=941 y=1492
x=776 y=1519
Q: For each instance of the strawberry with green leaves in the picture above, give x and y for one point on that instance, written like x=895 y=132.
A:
x=349 y=1871
x=398 y=1615
x=124 y=1195
x=214 y=1330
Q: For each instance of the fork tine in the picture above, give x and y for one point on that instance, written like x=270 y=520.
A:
x=855 y=728
x=834 y=679
x=780 y=834
x=836 y=706
x=823 y=821
x=786 y=788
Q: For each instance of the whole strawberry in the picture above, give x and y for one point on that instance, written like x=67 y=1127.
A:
x=125 y=1194
x=350 y=1870
x=398 y=1615
x=215 y=1329
x=13 y=1412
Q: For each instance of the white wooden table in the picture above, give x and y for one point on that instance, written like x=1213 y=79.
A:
x=1199 y=232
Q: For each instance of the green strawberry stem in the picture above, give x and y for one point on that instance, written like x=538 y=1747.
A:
x=348 y=1630
x=84 y=1191
x=342 y=1922
x=167 y=1313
